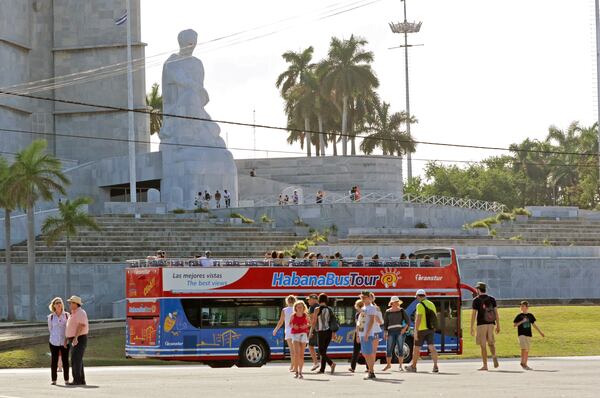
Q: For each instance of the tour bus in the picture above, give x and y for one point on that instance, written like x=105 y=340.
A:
x=225 y=314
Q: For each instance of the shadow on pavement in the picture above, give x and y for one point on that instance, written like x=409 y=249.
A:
x=312 y=379
x=544 y=371
x=391 y=381
x=506 y=371
x=88 y=386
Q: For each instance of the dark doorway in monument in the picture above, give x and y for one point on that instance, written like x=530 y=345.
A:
x=121 y=192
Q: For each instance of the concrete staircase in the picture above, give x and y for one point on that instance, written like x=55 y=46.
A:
x=571 y=232
x=123 y=237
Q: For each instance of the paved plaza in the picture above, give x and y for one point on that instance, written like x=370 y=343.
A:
x=552 y=377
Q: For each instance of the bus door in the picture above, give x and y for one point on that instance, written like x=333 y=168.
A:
x=448 y=324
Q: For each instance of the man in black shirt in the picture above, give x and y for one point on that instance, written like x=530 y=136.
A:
x=523 y=322
x=313 y=304
x=485 y=311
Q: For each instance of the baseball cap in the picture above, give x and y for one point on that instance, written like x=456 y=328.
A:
x=480 y=284
x=313 y=296
x=421 y=292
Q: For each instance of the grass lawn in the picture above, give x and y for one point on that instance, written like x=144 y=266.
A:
x=569 y=331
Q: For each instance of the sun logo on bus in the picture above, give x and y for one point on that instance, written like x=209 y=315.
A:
x=390 y=277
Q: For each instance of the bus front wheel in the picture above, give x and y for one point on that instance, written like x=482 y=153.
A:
x=253 y=353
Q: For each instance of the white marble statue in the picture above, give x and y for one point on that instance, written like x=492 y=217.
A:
x=194 y=156
x=183 y=94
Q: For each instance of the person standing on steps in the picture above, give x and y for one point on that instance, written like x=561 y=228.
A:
x=284 y=319
x=76 y=331
x=321 y=322
x=227 y=197
x=395 y=325
x=485 y=311
x=218 y=199
x=425 y=325
x=57 y=324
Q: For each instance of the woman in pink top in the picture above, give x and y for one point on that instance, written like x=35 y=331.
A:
x=300 y=326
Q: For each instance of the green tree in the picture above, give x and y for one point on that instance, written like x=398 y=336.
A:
x=347 y=73
x=36 y=175
x=8 y=203
x=66 y=224
x=155 y=103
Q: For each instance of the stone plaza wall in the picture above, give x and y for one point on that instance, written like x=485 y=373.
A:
x=100 y=285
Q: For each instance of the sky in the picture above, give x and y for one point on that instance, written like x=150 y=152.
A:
x=489 y=72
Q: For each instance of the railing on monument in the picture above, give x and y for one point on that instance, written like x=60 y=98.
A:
x=381 y=197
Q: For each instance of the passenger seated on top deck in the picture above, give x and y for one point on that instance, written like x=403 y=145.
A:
x=205 y=260
x=412 y=260
x=404 y=261
x=292 y=261
x=335 y=260
x=359 y=262
x=426 y=262
x=279 y=261
x=375 y=261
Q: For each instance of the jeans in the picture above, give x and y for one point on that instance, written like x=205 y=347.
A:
x=395 y=339
x=355 y=354
x=77 y=359
x=324 y=338
x=64 y=354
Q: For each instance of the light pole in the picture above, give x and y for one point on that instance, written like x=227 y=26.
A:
x=598 y=78
x=406 y=28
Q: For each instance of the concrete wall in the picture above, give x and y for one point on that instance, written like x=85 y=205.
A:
x=348 y=215
x=330 y=173
x=99 y=285
x=18 y=225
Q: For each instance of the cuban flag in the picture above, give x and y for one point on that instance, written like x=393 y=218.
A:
x=122 y=20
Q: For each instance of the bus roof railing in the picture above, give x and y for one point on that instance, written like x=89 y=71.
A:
x=345 y=262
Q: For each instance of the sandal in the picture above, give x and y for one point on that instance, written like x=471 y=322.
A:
x=386 y=368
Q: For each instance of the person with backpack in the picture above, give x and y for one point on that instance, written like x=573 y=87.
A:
x=425 y=325
x=395 y=325
x=326 y=324
x=59 y=349
x=485 y=311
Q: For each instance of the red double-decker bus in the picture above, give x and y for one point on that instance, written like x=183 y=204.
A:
x=224 y=314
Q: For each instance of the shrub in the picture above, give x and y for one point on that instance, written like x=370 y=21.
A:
x=179 y=211
x=302 y=246
x=516 y=237
x=478 y=224
x=546 y=242
x=245 y=220
x=201 y=210
x=420 y=225
x=505 y=217
x=333 y=229
x=493 y=232
x=521 y=212
x=265 y=219
x=299 y=223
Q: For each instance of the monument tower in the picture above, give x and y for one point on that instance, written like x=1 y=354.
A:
x=51 y=43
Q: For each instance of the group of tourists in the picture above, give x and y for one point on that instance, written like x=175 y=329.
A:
x=203 y=199
x=314 y=324
x=68 y=336
x=286 y=199
x=310 y=259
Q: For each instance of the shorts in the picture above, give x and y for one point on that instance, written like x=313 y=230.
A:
x=300 y=337
x=485 y=335
x=525 y=342
x=425 y=336
x=287 y=334
x=367 y=347
x=312 y=340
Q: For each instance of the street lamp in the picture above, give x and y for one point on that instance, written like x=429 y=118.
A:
x=405 y=28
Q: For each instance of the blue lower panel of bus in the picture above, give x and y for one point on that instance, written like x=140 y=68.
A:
x=176 y=337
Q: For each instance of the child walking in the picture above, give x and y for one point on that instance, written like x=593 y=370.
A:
x=300 y=325
x=523 y=322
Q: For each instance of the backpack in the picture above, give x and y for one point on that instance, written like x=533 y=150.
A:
x=430 y=317
x=334 y=324
x=489 y=314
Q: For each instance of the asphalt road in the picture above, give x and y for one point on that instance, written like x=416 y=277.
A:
x=551 y=377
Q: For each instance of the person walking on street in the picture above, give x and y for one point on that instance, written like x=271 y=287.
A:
x=358 y=306
x=395 y=325
x=284 y=319
x=425 y=325
x=321 y=322
x=367 y=321
x=313 y=304
x=485 y=311
x=300 y=325
x=76 y=331
x=57 y=324
x=523 y=322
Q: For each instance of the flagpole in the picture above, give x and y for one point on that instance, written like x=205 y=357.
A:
x=131 y=135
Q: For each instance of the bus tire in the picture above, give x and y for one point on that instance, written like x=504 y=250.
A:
x=220 y=364
x=253 y=353
x=408 y=349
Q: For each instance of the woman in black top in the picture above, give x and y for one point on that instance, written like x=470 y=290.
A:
x=320 y=323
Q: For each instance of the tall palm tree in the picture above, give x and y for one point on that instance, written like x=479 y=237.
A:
x=36 y=175
x=386 y=132
x=154 y=102
x=300 y=65
x=70 y=218
x=347 y=73
x=8 y=203
x=300 y=106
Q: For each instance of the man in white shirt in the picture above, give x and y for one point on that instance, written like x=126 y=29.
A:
x=205 y=260
x=366 y=332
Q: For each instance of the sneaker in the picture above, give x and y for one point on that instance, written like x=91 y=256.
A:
x=372 y=376
x=411 y=369
x=496 y=364
x=525 y=367
x=315 y=367
x=436 y=370
x=333 y=365
x=350 y=370
x=401 y=368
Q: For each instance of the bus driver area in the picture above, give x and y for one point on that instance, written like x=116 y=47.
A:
x=224 y=315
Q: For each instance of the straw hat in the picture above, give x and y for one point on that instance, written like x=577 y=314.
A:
x=76 y=300
x=54 y=300
x=395 y=299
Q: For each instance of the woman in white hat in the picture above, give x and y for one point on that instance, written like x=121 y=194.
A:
x=395 y=325
x=57 y=324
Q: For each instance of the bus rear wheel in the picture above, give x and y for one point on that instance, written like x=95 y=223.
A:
x=408 y=349
x=253 y=353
